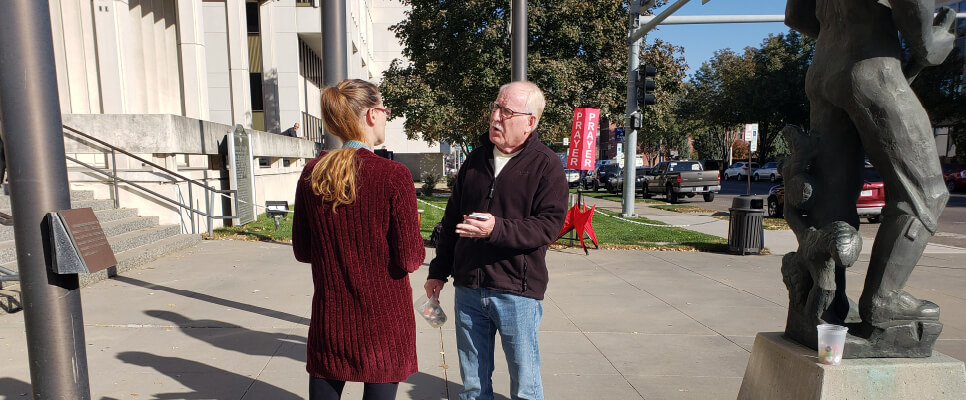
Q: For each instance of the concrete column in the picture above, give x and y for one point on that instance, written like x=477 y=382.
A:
x=270 y=92
x=111 y=79
x=133 y=54
x=194 y=90
x=151 y=85
x=171 y=93
x=241 y=104
x=287 y=64
x=216 y=54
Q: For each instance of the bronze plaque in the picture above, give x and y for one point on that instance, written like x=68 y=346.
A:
x=88 y=237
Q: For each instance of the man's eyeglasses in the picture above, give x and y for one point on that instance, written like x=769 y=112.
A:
x=506 y=113
x=388 y=111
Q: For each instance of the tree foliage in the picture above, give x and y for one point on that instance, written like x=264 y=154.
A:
x=459 y=56
x=764 y=85
x=940 y=89
x=659 y=124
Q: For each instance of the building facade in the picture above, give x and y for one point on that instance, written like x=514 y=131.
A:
x=167 y=80
x=253 y=63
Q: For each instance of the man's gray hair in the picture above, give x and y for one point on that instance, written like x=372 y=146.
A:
x=535 y=100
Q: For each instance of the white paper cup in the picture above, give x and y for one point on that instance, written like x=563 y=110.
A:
x=831 y=343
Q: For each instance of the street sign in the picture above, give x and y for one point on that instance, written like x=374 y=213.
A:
x=583 y=139
x=750 y=131
x=619 y=135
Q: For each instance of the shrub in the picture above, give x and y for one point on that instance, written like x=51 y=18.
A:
x=450 y=180
x=429 y=184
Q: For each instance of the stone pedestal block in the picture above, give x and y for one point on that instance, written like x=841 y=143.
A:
x=783 y=369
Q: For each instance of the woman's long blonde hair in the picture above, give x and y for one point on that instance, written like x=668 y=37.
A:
x=334 y=176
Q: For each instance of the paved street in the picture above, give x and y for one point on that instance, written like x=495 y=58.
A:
x=228 y=319
x=952 y=222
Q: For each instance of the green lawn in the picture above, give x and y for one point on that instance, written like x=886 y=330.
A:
x=262 y=229
x=611 y=232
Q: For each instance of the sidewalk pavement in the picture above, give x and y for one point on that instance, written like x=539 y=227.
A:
x=228 y=320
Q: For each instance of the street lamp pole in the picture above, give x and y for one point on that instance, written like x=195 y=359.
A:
x=34 y=144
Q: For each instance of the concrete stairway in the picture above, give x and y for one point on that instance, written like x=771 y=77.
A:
x=135 y=240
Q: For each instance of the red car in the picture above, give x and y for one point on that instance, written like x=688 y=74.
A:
x=955 y=179
x=869 y=205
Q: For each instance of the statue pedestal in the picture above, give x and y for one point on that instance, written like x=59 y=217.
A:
x=782 y=369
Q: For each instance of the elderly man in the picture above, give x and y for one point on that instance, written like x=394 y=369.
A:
x=293 y=131
x=508 y=205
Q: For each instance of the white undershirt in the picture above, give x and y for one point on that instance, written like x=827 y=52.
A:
x=500 y=160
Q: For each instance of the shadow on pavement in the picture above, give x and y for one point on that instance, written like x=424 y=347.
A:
x=216 y=300
x=234 y=338
x=15 y=389
x=428 y=387
x=203 y=381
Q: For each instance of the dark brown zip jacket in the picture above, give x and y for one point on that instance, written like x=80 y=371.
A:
x=529 y=201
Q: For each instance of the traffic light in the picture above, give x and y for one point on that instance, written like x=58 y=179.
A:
x=645 y=85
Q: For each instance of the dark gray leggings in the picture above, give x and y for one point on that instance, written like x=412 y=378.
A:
x=331 y=389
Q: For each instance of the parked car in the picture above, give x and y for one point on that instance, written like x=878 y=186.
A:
x=603 y=175
x=679 y=179
x=955 y=178
x=640 y=175
x=768 y=171
x=869 y=204
x=872 y=197
x=573 y=177
x=713 y=165
x=739 y=170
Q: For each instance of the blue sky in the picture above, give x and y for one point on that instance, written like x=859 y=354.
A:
x=701 y=41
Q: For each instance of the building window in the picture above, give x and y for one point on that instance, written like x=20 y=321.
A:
x=252 y=17
x=255 y=81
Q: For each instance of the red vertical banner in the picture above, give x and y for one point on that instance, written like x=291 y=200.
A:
x=583 y=139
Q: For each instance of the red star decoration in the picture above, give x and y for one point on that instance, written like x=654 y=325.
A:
x=580 y=218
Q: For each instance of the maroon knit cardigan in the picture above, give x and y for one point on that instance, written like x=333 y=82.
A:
x=363 y=326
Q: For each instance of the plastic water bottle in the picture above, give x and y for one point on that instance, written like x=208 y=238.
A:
x=430 y=310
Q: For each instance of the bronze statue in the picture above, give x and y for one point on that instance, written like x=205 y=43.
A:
x=862 y=106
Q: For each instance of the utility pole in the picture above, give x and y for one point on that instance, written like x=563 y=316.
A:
x=34 y=142
x=518 y=37
x=635 y=34
x=334 y=53
x=633 y=119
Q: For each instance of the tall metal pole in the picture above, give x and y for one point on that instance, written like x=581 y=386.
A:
x=34 y=143
x=518 y=37
x=334 y=53
x=630 y=136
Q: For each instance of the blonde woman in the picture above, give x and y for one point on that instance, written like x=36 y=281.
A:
x=356 y=223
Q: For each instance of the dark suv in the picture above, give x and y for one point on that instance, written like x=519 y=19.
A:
x=603 y=175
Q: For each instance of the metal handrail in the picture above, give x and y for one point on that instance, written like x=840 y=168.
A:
x=156 y=194
x=113 y=176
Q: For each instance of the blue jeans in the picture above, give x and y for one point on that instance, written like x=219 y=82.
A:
x=480 y=313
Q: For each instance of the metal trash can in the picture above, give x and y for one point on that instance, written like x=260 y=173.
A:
x=746 y=234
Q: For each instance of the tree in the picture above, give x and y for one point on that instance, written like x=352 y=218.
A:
x=459 y=56
x=714 y=106
x=763 y=85
x=659 y=125
x=940 y=90
x=778 y=88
